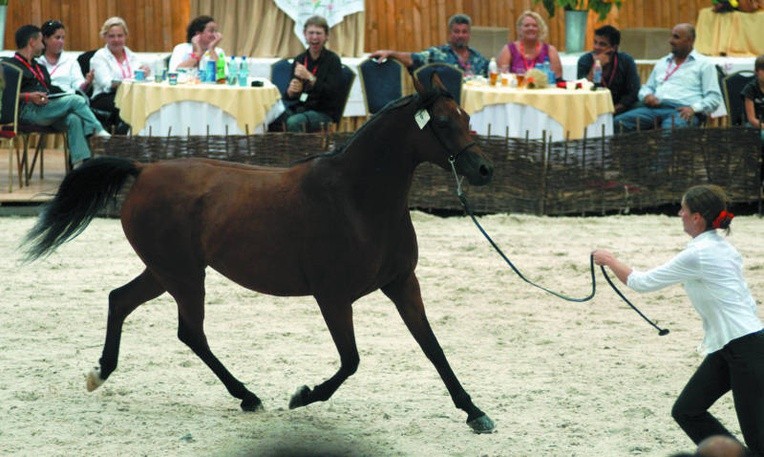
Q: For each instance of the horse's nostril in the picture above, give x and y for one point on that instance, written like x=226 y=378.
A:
x=485 y=171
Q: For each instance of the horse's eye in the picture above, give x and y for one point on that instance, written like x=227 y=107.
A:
x=442 y=121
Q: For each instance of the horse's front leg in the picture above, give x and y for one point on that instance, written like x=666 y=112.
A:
x=339 y=320
x=407 y=297
x=122 y=302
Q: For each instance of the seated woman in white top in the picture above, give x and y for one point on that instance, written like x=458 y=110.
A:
x=112 y=64
x=202 y=37
x=64 y=70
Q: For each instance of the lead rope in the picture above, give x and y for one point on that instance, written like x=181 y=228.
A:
x=466 y=205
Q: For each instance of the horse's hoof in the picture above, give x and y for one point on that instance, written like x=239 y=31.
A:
x=94 y=380
x=482 y=424
x=252 y=404
x=298 y=399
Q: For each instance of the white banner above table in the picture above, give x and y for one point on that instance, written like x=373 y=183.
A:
x=332 y=10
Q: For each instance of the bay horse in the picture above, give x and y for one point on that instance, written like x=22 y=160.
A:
x=335 y=226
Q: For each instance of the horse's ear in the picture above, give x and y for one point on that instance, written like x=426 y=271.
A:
x=418 y=85
x=435 y=81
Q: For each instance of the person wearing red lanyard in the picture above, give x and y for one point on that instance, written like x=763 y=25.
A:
x=529 y=49
x=681 y=91
x=112 y=64
x=316 y=85
x=42 y=103
x=202 y=36
x=619 y=71
x=64 y=70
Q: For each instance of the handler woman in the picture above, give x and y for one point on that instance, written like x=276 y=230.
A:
x=711 y=271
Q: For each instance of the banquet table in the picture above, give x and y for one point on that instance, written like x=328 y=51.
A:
x=197 y=109
x=551 y=111
x=732 y=34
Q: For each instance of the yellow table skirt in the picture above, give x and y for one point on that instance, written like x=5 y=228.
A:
x=248 y=105
x=573 y=109
x=733 y=34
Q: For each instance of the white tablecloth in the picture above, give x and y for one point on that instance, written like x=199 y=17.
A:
x=182 y=118
x=506 y=117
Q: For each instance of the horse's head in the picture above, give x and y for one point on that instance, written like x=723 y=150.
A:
x=449 y=126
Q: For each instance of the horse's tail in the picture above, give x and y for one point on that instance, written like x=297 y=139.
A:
x=82 y=194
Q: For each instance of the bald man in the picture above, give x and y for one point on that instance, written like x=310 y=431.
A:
x=683 y=88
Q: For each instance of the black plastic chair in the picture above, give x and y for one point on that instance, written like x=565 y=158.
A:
x=348 y=76
x=281 y=74
x=381 y=83
x=732 y=86
x=450 y=75
x=84 y=60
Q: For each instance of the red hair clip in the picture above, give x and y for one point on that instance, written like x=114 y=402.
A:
x=724 y=217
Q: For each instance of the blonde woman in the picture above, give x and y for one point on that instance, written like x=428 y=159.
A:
x=112 y=64
x=529 y=49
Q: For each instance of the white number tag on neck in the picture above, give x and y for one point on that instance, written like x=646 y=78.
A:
x=422 y=117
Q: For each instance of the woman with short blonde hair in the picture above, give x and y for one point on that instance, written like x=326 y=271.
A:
x=529 y=49
x=111 y=65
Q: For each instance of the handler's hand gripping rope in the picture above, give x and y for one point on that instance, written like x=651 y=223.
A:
x=463 y=198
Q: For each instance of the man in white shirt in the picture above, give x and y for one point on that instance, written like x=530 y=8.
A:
x=682 y=89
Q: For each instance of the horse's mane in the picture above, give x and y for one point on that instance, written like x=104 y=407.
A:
x=422 y=101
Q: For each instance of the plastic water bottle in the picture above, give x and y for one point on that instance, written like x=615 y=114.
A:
x=243 y=72
x=597 y=73
x=493 y=71
x=233 y=72
x=203 y=67
x=549 y=73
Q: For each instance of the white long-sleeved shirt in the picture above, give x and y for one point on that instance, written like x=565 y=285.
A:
x=106 y=68
x=65 y=73
x=711 y=271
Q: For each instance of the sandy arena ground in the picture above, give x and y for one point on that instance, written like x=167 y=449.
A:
x=558 y=378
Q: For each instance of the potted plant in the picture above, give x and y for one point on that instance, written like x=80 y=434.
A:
x=601 y=7
x=746 y=6
x=3 y=8
x=576 y=14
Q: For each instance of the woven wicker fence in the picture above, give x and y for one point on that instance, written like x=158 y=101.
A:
x=625 y=172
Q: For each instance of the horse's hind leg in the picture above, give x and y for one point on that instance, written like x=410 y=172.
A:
x=122 y=302
x=339 y=320
x=190 y=298
x=408 y=300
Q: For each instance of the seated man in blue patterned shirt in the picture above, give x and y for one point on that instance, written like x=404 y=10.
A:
x=682 y=88
x=456 y=51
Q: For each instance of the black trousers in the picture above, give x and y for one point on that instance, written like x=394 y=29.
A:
x=107 y=112
x=739 y=367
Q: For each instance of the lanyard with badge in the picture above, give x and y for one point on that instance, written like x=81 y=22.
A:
x=36 y=71
x=304 y=95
